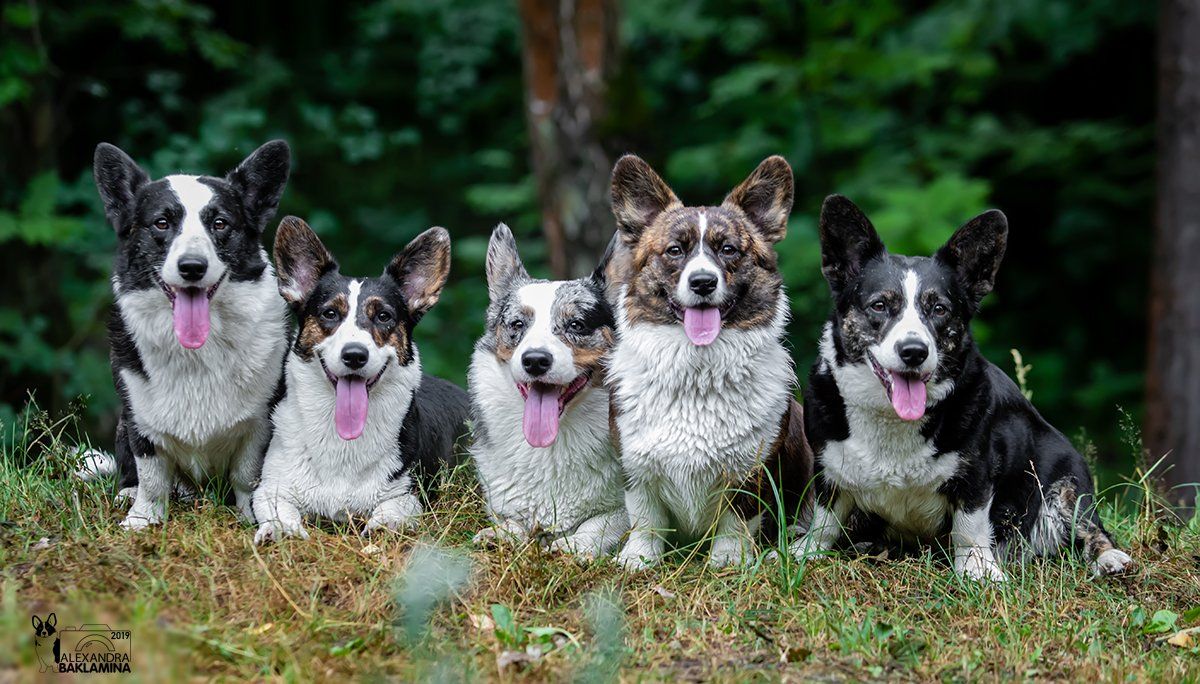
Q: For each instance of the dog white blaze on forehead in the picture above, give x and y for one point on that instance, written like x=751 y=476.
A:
x=908 y=326
x=539 y=298
x=193 y=238
x=349 y=331
x=700 y=262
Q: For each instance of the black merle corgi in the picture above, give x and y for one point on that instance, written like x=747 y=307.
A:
x=702 y=384
x=912 y=427
x=360 y=430
x=198 y=330
x=539 y=365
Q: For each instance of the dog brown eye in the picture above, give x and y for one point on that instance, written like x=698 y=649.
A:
x=517 y=324
x=220 y=224
x=330 y=314
x=940 y=310
x=674 y=251
x=729 y=251
x=161 y=224
x=383 y=318
x=879 y=306
x=575 y=326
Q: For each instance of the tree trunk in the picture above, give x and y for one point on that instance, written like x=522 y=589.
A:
x=569 y=47
x=1173 y=370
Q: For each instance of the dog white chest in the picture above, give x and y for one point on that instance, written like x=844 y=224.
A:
x=323 y=474
x=889 y=469
x=695 y=421
x=199 y=405
x=554 y=488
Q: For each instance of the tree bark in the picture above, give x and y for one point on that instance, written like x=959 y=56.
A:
x=1172 y=425
x=569 y=46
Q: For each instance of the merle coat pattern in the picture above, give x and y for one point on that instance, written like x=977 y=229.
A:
x=914 y=430
x=552 y=476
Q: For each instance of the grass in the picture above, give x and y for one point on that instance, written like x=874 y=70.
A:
x=202 y=602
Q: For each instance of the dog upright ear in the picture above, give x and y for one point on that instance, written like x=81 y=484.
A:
x=37 y=623
x=504 y=268
x=638 y=196
x=260 y=179
x=118 y=178
x=52 y=620
x=421 y=270
x=300 y=259
x=975 y=252
x=848 y=242
x=766 y=197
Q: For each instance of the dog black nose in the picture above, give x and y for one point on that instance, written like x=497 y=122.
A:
x=192 y=268
x=912 y=352
x=355 y=356
x=536 y=362
x=702 y=283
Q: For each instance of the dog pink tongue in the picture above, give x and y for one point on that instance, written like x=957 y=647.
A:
x=541 y=415
x=908 y=396
x=702 y=324
x=191 y=316
x=350 y=411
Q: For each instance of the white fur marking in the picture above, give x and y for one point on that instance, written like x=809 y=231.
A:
x=193 y=238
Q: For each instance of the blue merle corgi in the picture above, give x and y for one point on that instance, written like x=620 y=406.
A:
x=702 y=384
x=360 y=430
x=915 y=431
x=198 y=329
x=541 y=413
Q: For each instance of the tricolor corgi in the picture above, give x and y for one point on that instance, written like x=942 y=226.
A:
x=702 y=384
x=913 y=427
x=360 y=430
x=541 y=414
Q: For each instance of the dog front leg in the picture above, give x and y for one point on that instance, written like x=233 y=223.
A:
x=647 y=522
x=394 y=514
x=971 y=538
x=154 y=475
x=825 y=530
x=595 y=536
x=733 y=541
x=246 y=468
x=278 y=515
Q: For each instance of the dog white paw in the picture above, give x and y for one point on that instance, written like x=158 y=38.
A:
x=387 y=523
x=581 y=545
x=125 y=496
x=727 y=551
x=975 y=566
x=491 y=537
x=637 y=556
x=136 y=521
x=275 y=531
x=1112 y=562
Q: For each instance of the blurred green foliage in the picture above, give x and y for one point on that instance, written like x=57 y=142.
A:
x=404 y=114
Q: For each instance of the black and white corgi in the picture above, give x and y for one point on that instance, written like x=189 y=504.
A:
x=198 y=330
x=911 y=426
x=360 y=430
x=539 y=365
x=702 y=385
